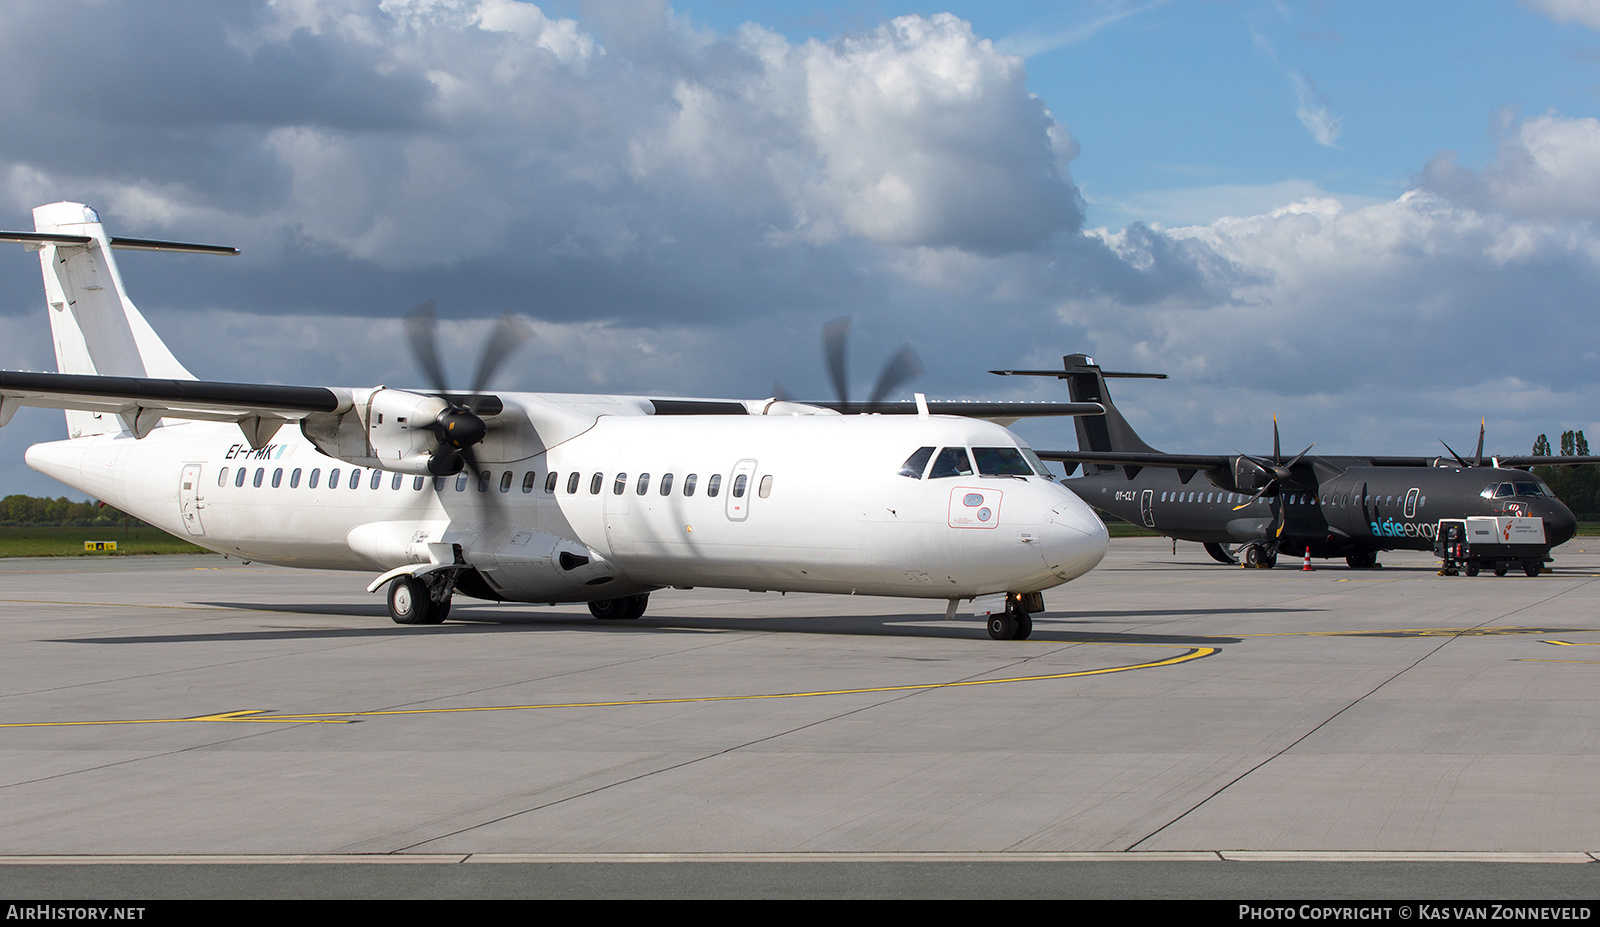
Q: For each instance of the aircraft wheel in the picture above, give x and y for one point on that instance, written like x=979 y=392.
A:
x=1499 y=571
x=440 y=611
x=1365 y=560
x=1003 y=626
x=1269 y=560
x=408 y=601
x=1530 y=569
x=626 y=608
x=1250 y=557
x=1024 y=626
x=1470 y=569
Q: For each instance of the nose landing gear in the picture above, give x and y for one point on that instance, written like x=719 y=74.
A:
x=1016 y=622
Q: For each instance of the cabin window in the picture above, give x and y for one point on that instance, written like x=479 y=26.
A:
x=461 y=481
x=952 y=461
x=277 y=478
x=222 y=476
x=917 y=463
x=528 y=480
x=333 y=478
x=572 y=482
x=483 y=480
x=294 y=478
x=714 y=485
x=738 y=485
x=316 y=474
x=418 y=482
x=644 y=484
x=377 y=479
x=355 y=478
x=619 y=484
x=688 y=483
x=766 y=486
x=505 y=481
x=260 y=474
x=1001 y=461
x=595 y=483
x=239 y=480
x=666 y=484
x=438 y=484
x=1163 y=497
x=550 y=482
x=397 y=481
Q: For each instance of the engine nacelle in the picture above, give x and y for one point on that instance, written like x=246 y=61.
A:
x=389 y=429
x=1249 y=476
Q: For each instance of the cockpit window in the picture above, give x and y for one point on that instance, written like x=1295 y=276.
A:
x=916 y=463
x=1529 y=489
x=1504 y=491
x=952 y=461
x=1038 y=465
x=1001 y=461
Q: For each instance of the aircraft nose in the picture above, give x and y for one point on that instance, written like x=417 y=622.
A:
x=1075 y=539
x=1559 y=524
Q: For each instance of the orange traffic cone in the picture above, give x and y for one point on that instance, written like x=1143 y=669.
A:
x=1308 y=568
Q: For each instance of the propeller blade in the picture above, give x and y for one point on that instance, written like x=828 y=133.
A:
x=1277 y=455
x=1454 y=454
x=834 y=336
x=487 y=502
x=1259 y=493
x=778 y=392
x=901 y=368
x=419 y=324
x=1290 y=465
x=1478 y=461
x=509 y=334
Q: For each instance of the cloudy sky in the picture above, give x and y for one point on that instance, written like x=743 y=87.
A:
x=1374 y=220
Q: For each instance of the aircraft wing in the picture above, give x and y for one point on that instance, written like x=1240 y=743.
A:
x=142 y=401
x=971 y=408
x=1531 y=461
x=1133 y=462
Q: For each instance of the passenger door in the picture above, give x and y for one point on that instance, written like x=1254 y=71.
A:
x=741 y=487
x=189 y=500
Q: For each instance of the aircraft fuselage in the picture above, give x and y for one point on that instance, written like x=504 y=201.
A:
x=1357 y=508
x=632 y=503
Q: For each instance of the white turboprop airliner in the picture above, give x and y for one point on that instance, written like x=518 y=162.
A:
x=542 y=497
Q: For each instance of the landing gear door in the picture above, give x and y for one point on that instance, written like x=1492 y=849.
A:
x=741 y=487
x=1147 y=507
x=189 y=500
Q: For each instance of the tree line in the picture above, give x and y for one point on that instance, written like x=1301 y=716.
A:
x=34 y=512
x=1578 y=487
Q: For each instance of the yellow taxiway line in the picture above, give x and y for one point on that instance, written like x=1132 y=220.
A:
x=345 y=717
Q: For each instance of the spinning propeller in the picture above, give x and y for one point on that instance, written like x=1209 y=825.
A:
x=900 y=369
x=459 y=427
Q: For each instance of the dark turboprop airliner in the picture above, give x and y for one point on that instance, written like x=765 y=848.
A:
x=1247 y=509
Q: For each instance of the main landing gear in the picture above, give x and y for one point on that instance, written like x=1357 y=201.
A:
x=626 y=608
x=1363 y=560
x=412 y=601
x=1016 y=622
x=1258 y=557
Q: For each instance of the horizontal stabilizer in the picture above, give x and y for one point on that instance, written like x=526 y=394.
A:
x=122 y=244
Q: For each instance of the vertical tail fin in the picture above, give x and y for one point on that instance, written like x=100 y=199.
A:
x=1086 y=382
x=95 y=327
x=1110 y=432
